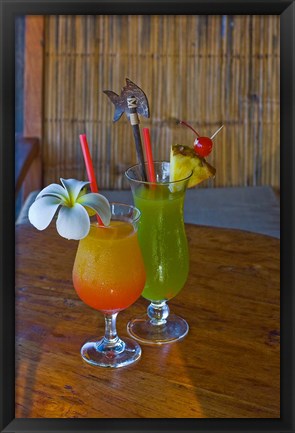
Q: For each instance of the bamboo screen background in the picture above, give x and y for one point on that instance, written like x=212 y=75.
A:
x=207 y=70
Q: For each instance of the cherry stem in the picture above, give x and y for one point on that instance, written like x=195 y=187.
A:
x=189 y=126
x=215 y=133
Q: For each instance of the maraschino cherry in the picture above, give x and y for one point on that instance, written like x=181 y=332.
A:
x=202 y=145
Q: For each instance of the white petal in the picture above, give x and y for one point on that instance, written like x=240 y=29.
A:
x=73 y=222
x=98 y=203
x=42 y=211
x=54 y=189
x=73 y=187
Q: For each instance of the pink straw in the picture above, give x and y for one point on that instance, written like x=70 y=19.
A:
x=149 y=154
x=89 y=168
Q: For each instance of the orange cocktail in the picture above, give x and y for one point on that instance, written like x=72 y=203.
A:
x=108 y=273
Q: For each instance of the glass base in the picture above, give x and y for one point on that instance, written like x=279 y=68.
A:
x=145 y=331
x=119 y=355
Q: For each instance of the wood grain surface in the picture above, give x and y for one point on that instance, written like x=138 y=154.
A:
x=228 y=366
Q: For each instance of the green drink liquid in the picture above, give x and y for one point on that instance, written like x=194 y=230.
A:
x=163 y=240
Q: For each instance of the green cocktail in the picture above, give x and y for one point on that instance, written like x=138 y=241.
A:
x=163 y=242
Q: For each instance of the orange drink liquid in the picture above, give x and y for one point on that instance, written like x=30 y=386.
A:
x=108 y=272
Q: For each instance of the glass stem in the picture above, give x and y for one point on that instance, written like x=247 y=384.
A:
x=158 y=312
x=111 y=338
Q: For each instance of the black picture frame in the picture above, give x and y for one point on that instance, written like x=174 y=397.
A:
x=9 y=9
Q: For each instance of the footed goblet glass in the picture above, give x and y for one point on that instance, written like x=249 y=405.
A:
x=109 y=276
x=163 y=243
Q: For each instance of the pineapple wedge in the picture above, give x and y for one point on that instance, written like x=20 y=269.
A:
x=184 y=160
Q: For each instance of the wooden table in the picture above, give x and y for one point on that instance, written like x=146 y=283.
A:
x=226 y=367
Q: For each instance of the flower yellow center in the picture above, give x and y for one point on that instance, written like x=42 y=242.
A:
x=70 y=202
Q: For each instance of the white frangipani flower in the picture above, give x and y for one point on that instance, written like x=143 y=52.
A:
x=73 y=220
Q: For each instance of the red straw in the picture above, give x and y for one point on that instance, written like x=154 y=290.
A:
x=89 y=168
x=149 y=154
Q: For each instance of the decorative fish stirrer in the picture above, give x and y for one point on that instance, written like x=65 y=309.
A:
x=131 y=101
